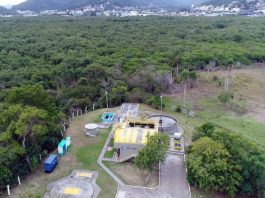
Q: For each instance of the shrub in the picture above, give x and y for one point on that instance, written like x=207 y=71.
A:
x=178 y=109
x=225 y=97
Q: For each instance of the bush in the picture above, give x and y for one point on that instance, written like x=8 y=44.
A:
x=215 y=78
x=178 y=109
x=204 y=130
x=155 y=102
x=225 y=97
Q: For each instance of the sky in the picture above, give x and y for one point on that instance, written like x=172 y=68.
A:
x=10 y=2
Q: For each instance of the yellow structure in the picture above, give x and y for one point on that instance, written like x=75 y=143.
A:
x=134 y=131
x=72 y=191
x=83 y=174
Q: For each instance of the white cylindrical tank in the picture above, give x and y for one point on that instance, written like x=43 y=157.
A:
x=91 y=129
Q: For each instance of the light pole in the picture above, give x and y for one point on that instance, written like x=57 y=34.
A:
x=161 y=99
x=107 y=100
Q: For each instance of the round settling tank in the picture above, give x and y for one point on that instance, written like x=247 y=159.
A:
x=91 y=129
x=167 y=124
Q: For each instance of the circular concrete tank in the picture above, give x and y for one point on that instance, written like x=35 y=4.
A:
x=167 y=124
x=91 y=129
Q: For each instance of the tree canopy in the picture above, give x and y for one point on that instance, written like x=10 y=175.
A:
x=153 y=153
x=78 y=59
x=247 y=158
x=29 y=127
x=210 y=167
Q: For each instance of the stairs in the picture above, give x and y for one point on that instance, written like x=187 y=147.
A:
x=127 y=154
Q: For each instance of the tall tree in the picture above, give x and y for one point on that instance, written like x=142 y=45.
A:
x=153 y=153
x=186 y=78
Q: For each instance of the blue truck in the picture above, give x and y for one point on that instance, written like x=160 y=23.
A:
x=50 y=163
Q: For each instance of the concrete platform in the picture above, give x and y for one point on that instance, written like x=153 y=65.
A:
x=80 y=184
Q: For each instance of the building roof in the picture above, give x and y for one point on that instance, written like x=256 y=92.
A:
x=135 y=131
x=132 y=135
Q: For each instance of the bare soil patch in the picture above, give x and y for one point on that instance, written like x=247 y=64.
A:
x=131 y=175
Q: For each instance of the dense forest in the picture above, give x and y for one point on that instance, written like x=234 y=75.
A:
x=77 y=60
x=49 y=67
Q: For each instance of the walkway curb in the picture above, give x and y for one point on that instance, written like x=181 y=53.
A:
x=103 y=166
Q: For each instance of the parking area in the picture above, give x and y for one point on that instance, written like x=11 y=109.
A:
x=173 y=182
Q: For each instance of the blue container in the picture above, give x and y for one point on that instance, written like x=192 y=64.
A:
x=50 y=163
x=62 y=147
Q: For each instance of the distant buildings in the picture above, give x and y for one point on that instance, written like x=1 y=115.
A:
x=250 y=8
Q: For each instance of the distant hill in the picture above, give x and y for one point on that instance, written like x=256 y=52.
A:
x=225 y=2
x=38 y=5
x=5 y=11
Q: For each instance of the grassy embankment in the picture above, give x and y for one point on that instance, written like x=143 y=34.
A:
x=241 y=116
x=83 y=154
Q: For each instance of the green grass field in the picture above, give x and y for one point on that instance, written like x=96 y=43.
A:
x=83 y=154
x=213 y=111
x=88 y=156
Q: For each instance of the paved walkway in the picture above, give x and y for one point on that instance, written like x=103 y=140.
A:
x=101 y=157
x=173 y=182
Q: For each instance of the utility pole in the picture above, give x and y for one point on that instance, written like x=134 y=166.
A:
x=161 y=99
x=106 y=93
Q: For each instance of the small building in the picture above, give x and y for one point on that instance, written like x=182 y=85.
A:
x=131 y=136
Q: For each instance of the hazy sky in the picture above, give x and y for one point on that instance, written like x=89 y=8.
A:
x=10 y=2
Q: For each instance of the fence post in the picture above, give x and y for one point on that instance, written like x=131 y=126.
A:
x=93 y=106
x=18 y=179
x=8 y=190
x=81 y=112
x=77 y=113
x=69 y=119
x=73 y=115
x=86 y=110
x=40 y=156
